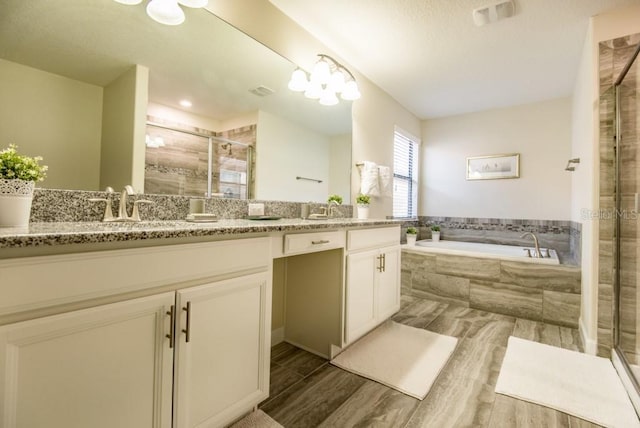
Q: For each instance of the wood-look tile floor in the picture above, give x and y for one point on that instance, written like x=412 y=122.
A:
x=306 y=391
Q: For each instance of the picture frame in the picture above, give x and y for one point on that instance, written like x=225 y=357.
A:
x=493 y=167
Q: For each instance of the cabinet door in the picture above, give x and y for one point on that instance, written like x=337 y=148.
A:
x=108 y=366
x=360 y=315
x=389 y=284
x=222 y=367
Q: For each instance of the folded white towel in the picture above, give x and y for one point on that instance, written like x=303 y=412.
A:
x=386 y=180
x=369 y=179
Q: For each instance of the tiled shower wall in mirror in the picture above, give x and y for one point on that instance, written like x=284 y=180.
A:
x=176 y=160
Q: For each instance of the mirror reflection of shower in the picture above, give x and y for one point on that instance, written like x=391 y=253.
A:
x=190 y=161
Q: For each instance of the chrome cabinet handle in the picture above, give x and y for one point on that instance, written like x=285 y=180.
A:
x=322 y=241
x=172 y=317
x=187 y=331
x=384 y=262
x=379 y=267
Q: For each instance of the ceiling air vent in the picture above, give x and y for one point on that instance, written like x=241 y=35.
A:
x=493 y=12
x=261 y=91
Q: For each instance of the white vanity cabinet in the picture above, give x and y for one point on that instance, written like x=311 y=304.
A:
x=372 y=279
x=192 y=351
x=102 y=367
x=222 y=365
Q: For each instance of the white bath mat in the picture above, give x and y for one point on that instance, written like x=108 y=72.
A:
x=578 y=384
x=404 y=358
x=257 y=419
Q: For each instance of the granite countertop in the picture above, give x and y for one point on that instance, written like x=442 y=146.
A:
x=53 y=233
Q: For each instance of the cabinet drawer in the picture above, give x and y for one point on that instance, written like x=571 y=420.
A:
x=372 y=238
x=311 y=242
x=37 y=282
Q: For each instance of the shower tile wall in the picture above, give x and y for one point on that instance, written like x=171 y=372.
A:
x=180 y=166
x=613 y=56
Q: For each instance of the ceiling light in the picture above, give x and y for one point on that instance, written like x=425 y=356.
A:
x=321 y=72
x=186 y=103
x=298 y=82
x=351 y=91
x=327 y=79
x=167 y=12
x=313 y=91
x=328 y=98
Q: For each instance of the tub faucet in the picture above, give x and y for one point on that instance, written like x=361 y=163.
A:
x=535 y=243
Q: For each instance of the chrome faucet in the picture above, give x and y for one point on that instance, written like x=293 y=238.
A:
x=122 y=209
x=108 y=213
x=123 y=215
x=535 y=243
x=333 y=205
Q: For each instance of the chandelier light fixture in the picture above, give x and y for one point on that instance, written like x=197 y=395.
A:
x=167 y=12
x=327 y=79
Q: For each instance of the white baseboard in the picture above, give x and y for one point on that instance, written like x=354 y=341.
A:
x=277 y=336
x=590 y=345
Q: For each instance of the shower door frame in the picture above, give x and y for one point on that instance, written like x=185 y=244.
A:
x=617 y=350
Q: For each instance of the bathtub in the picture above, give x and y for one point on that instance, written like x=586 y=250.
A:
x=492 y=251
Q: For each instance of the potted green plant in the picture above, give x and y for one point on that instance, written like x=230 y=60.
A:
x=435 y=233
x=362 y=203
x=335 y=198
x=412 y=235
x=18 y=175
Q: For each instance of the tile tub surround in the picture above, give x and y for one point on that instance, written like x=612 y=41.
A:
x=562 y=236
x=51 y=205
x=538 y=292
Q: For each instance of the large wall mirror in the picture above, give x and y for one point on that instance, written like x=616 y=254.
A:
x=95 y=87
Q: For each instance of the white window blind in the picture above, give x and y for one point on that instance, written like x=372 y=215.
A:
x=405 y=176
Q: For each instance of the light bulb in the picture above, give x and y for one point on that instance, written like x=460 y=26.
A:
x=129 y=2
x=328 y=98
x=194 y=3
x=298 y=82
x=314 y=91
x=351 y=91
x=165 y=12
x=321 y=72
x=337 y=81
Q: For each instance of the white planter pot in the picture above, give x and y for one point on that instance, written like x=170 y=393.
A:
x=435 y=236
x=15 y=202
x=411 y=240
x=363 y=212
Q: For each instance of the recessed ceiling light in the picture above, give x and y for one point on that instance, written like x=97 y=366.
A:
x=185 y=103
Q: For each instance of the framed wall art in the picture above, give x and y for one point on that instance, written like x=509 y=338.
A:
x=493 y=167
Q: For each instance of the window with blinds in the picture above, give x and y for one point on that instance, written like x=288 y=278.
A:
x=405 y=176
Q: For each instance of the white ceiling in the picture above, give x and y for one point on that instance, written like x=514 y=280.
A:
x=430 y=57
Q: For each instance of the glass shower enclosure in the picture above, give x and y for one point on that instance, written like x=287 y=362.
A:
x=195 y=163
x=627 y=231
